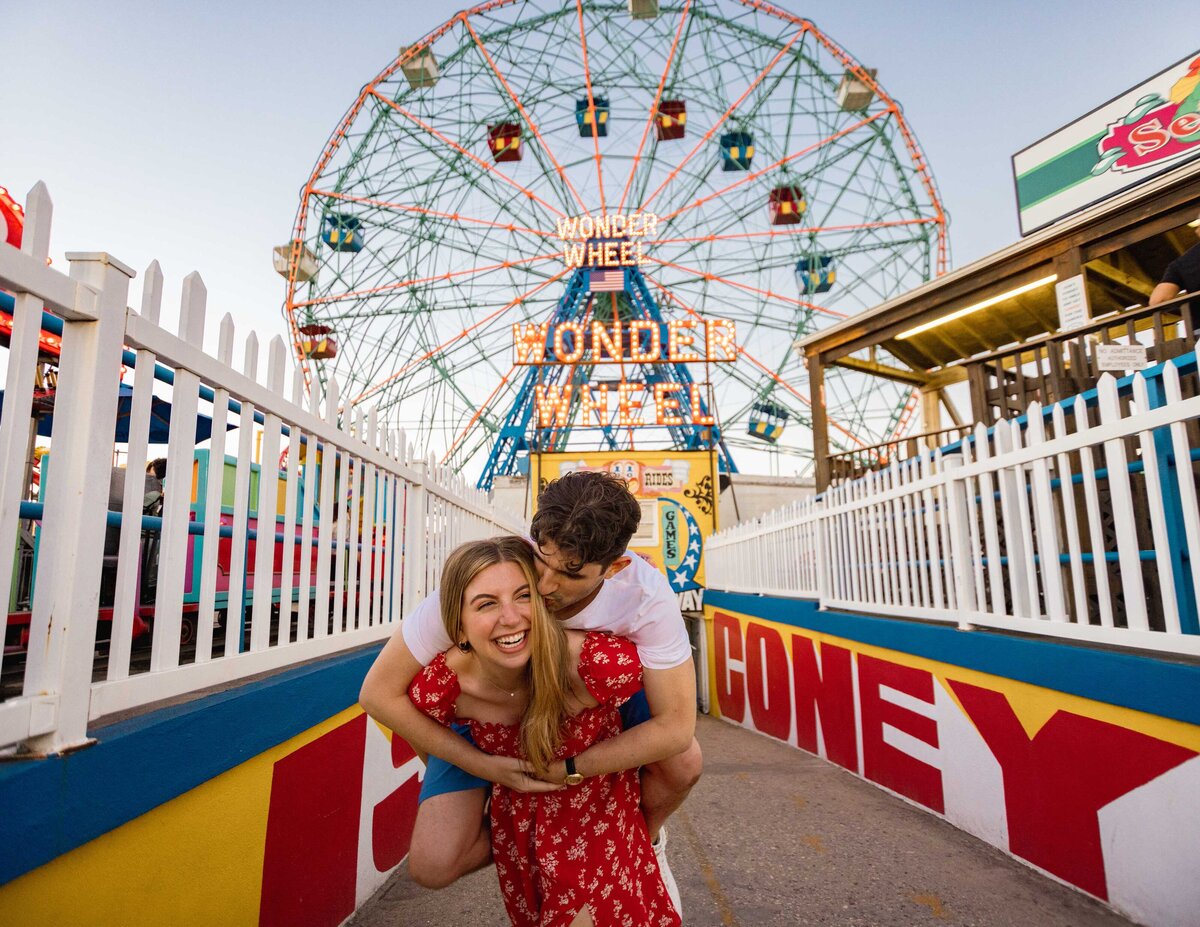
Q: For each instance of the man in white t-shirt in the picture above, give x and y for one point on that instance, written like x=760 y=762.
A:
x=588 y=580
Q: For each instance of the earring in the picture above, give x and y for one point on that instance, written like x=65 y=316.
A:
x=464 y=646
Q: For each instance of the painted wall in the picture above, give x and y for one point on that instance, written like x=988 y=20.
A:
x=275 y=803
x=1080 y=762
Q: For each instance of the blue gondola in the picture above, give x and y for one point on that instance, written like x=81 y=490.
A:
x=816 y=273
x=342 y=232
x=737 y=148
x=583 y=117
x=767 y=420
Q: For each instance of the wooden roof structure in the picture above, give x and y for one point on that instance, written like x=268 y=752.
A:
x=926 y=337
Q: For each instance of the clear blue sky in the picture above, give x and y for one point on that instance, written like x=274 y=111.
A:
x=184 y=131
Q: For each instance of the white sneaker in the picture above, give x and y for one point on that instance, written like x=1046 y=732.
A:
x=660 y=853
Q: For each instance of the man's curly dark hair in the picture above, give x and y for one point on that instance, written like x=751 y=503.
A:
x=588 y=515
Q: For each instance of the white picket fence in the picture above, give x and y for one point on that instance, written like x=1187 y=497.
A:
x=1078 y=521
x=367 y=571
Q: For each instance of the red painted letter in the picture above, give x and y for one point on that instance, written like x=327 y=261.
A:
x=828 y=690
x=1055 y=783
x=393 y=819
x=882 y=762
x=767 y=681
x=727 y=645
x=310 y=866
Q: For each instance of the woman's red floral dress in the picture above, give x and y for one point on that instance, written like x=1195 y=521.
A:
x=583 y=846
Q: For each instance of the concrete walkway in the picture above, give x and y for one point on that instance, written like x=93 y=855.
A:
x=772 y=837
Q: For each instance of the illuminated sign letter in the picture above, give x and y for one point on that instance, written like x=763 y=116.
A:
x=654 y=352
x=678 y=342
x=698 y=417
x=530 y=343
x=610 y=342
x=594 y=400
x=573 y=255
x=719 y=333
x=561 y=354
x=666 y=409
x=553 y=404
x=627 y=409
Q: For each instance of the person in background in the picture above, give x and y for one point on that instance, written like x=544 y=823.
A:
x=589 y=581
x=1182 y=274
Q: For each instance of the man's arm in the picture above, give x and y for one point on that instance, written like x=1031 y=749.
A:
x=1163 y=292
x=384 y=696
x=671 y=695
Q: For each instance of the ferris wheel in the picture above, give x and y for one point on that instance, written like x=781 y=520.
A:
x=786 y=191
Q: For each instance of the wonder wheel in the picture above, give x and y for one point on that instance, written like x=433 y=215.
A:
x=787 y=190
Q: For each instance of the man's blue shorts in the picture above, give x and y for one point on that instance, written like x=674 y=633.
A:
x=441 y=777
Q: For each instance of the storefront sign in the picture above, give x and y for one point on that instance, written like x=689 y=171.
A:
x=1149 y=129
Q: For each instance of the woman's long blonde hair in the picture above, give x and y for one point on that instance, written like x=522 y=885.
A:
x=547 y=671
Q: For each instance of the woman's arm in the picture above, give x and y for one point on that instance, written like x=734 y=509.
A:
x=384 y=696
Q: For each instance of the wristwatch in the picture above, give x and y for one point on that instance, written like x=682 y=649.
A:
x=574 y=777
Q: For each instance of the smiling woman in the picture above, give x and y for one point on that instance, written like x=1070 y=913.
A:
x=530 y=689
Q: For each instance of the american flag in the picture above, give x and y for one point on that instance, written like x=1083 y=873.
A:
x=607 y=279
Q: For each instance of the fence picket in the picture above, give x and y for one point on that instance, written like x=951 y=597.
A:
x=1189 y=505
x=177 y=496
x=1095 y=531
x=235 y=609
x=366 y=580
x=1045 y=520
x=1158 y=521
x=18 y=389
x=991 y=533
x=971 y=502
x=125 y=592
x=288 y=550
x=1070 y=520
x=268 y=507
x=941 y=503
x=308 y=539
x=213 y=490
x=929 y=515
x=1121 y=499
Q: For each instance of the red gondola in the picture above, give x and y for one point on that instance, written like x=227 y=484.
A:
x=317 y=343
x=787 y=205
x=504 y=141
x=672 y=119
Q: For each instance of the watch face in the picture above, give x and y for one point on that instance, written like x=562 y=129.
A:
x=574 y=778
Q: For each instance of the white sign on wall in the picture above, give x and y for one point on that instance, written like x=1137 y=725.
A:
x=1071 y=296
x=1121 y=356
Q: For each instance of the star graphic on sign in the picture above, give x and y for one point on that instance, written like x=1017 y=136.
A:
x=695 y=545
x=680 y=577
x=693 y=528
x=690 y=560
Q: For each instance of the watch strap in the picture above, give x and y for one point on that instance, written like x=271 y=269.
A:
x=570 y=762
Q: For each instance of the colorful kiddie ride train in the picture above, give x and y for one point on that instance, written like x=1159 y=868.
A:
x=21 y=597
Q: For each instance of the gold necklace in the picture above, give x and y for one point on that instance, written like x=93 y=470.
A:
x=496 y=686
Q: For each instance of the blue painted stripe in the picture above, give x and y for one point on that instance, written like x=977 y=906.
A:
x=1143 y=683
x=53 y=806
